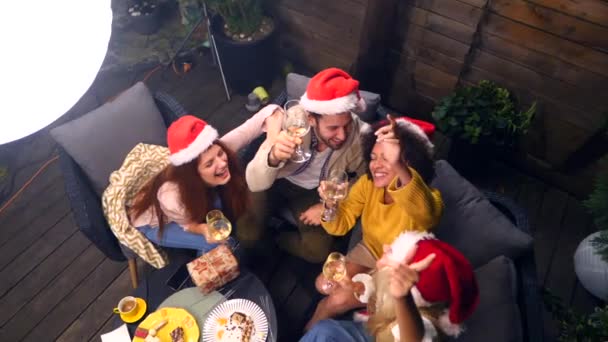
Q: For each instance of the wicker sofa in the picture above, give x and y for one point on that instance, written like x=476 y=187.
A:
x=81 y=171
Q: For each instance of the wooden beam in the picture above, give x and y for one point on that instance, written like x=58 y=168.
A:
x=69 y=307
x=95 y=316
x=36 y=253
x=302 y=50
x=552 y=21
x=595 y=11
x=544 y=42
x=35 y=311
x=548 y=87
x=374 y=41
x=476 y=3
x=43 y=275
x=440 y=24
x=435 y=41
x=459 y=11
x=315 y=24
x=593 y=149
x=431 y=57
x=546 y=64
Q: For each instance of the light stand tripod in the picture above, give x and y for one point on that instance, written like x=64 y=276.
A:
x=216 y=56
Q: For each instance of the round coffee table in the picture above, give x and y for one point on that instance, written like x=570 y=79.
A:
x=246 y=286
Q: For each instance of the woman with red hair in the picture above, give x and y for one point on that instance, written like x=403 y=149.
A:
x=203 y=174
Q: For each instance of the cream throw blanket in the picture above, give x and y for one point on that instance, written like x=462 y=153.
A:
x=141 y=164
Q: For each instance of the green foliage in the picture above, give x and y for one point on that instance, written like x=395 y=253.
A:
x=241 y=16
x=600 y=243
x=597 y=203
x=482 y=113
x=575 y=327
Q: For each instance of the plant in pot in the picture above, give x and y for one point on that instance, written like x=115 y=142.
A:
x=591 y=256
x=145 y=16
x=245 y=40
x=481 y=120
x=577 y=327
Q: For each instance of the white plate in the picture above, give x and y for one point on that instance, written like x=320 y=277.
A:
x=213 y=326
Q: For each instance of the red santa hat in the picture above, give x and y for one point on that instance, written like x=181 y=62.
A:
x=332 y=91
x=449 y=279
x=422 y=129
x=188 y=137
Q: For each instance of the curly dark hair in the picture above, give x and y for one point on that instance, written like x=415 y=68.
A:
x=414 y=151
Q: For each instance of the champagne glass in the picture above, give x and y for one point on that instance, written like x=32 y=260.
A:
x=219 y=226
x=334 y=268
x=296 y=124
x=335 y=186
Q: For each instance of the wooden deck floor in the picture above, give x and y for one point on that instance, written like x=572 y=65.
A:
x=55 y=285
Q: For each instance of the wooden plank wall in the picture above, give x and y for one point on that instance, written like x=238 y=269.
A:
x=319 y=33
x=554 y=52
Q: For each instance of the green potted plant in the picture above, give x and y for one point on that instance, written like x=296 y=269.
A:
x=591 y=256
x=481 y=119
x=245 y=39
x=576 y=327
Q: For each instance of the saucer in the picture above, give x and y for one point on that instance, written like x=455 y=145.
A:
x=142 y=306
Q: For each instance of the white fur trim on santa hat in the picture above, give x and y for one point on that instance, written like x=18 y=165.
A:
x=368 y=285
x=202 y=142
x=350 y=102
x=415 y=129
x=405 y=241
x=418 y=300
x=430 y=333
x=449 y=328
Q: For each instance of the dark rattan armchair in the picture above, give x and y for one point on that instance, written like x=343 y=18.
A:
x=86 y=203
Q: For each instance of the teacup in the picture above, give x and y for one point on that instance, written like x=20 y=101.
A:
x=127 y=306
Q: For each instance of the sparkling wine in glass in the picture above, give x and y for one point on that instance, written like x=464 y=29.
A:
x=296 y=125
x=219 y=226
x=336 y=188
x=334 y=268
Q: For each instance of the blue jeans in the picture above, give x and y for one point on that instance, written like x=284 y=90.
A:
x=174 y=236
x=330 y=330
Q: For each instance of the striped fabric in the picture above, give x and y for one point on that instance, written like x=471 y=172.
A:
x=141 y=164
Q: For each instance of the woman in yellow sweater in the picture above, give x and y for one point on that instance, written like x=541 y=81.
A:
x=391 y=198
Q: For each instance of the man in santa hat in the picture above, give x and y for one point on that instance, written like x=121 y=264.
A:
x=331 y=99
x=422 y=289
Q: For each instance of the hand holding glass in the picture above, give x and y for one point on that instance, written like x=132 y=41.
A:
x=296 y=125
x=334 y=270
x=335 y=189
x=218 y=225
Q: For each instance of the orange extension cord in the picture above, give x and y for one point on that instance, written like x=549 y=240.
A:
x=48 y=162
x=29 y=181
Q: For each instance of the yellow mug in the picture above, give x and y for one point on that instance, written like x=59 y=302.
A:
x=262 y=94
x=127 y=307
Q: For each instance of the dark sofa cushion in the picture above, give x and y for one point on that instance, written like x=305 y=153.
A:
x=497 y=318
x=99 y=140
x=296 y=86
x=471 y=223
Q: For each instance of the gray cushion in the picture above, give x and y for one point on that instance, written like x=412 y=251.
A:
x=99 y=140
x=296 y=86
x=471 y=223
x=497 y=317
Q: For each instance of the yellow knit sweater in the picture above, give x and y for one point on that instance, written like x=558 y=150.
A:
x=415 y=206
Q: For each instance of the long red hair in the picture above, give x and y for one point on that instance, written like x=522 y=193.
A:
x=196 y=196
